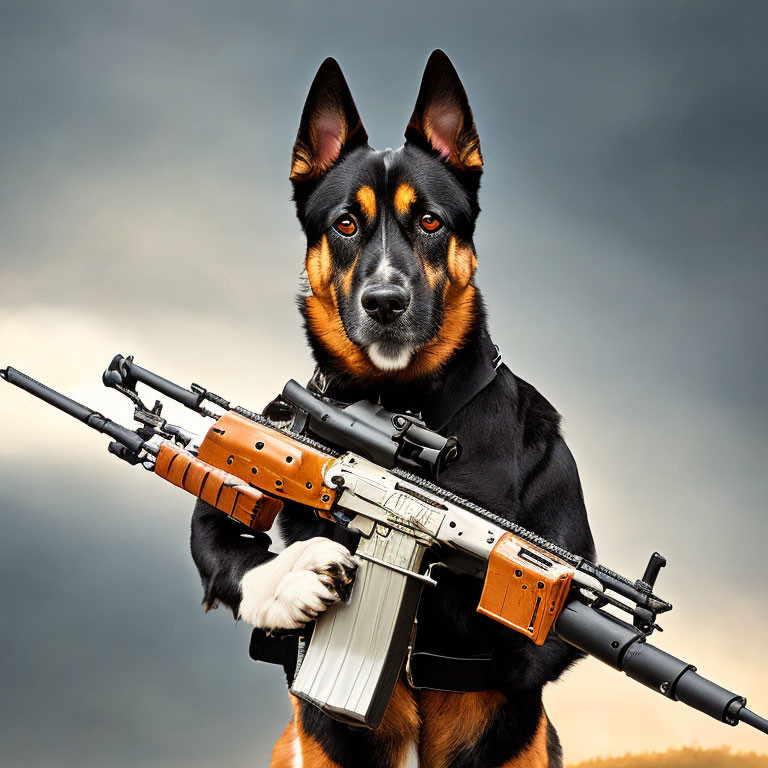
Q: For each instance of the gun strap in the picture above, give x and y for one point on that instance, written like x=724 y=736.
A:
x=424 y=670
x=466 y=674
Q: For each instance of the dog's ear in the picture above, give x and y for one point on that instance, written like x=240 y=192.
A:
x=330 y=125
x=442 y=119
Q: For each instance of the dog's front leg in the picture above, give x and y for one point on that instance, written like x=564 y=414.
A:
x=295 y=587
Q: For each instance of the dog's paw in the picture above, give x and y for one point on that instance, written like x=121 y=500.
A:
x=297 y=585
x=300 y=597
x=331 y=560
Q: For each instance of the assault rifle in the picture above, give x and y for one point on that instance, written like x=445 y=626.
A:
x=356 y=466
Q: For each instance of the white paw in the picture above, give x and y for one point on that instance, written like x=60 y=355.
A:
x=301 y=597
x=297 y=585
x=325 y=556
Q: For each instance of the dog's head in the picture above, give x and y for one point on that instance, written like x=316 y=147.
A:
x=390 y=259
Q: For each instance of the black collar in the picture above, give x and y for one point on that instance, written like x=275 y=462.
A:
x=475 y=371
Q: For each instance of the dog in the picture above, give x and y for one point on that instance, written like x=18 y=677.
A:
x=393 y=314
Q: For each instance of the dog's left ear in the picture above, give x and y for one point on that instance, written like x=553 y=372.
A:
x=330 y=125
x=442 y=118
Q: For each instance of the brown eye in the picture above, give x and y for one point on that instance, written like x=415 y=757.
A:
x=430 y=223
x=345 y=225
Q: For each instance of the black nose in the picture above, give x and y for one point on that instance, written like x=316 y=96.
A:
x=385 y=303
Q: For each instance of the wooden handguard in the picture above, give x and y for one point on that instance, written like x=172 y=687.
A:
x=525 y=588
x=269 y=460
x=219 y=488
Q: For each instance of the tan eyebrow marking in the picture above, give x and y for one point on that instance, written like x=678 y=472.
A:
x=367 y=199
x=405 y=196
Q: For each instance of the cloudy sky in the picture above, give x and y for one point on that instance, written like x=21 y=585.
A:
x=144 y=208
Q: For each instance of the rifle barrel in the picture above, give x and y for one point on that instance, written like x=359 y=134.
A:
x=623 y=647
x=91 y=418
x=750 y=718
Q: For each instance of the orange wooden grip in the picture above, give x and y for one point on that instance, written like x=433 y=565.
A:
x=219 y=488
x=525 y=588
x=267 y=459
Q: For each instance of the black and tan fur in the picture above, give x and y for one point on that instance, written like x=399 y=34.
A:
x=393 y=313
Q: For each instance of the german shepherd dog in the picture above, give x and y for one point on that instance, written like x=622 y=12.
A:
x=393 y=314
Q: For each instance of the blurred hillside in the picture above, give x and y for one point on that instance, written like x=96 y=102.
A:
x=681 y=758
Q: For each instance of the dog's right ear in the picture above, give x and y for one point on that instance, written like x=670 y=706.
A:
x=330 y=125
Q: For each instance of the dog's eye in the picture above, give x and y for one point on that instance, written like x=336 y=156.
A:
x=345 y=225
x=430 y=223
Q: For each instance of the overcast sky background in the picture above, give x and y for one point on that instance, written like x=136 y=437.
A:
x=144 y=208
